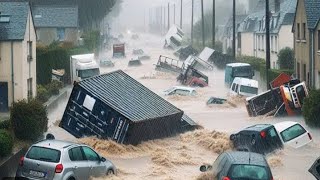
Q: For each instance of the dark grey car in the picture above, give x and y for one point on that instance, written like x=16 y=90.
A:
x=239 y=165
x=62 y=160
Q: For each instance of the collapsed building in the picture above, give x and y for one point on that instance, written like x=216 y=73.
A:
x=115 y=106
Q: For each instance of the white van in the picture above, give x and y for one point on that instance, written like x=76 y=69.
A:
x=244 y=87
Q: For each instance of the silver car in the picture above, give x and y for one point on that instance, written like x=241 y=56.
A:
x=54 y=159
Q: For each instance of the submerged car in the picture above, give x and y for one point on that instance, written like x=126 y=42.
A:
x=181 y=90
x=106 y=62
x=56 y=160
x=214 y=100
x=266 y=138
x=315 y=169
x=137 y=52
x=135 y=62
x=239 y=165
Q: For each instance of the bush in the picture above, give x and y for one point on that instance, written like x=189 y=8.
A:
x=5 y=124
x=221 y=60
x=311 y=108
x=54 y=87
x=257 y=64
x=28 y=119
x=6 y=143
x=43 y=94
x=286 y=58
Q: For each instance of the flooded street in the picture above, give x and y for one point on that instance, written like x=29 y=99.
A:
x=180 y=157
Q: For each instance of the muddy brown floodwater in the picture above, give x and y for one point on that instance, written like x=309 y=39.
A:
x=180 y=157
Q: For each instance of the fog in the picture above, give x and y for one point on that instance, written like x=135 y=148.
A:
x=137 y=14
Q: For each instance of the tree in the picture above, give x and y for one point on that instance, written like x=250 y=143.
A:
x=311 y=108
x=286 y=58
x=28 y=119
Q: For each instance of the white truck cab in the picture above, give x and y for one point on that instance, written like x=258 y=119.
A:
x=83 y=66
x=244 y=87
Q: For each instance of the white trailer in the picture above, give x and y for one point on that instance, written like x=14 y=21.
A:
x=83 y=66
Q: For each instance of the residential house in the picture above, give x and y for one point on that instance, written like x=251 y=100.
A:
x=56 y=23
x=253 y=31
x=307 y=42
x=227 y=37
x=17 y=53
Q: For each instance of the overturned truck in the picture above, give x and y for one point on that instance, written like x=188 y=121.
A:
x=117 y=107
x=284 y=98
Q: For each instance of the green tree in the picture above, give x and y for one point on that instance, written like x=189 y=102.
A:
x=286 y=58
x=28 y=119
x=311 y=108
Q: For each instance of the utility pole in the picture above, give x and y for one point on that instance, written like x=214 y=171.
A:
x=267 y=42
x=181 y=14
x=202 y=18
x=168 y=16
x=174 y=13
x=234 y=30
x=213 y=23
x=192 y=6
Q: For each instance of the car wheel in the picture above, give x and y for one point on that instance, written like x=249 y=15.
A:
x=110 y=172
x=232 y=137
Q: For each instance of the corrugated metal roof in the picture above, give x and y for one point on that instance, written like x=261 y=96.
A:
x=312 y=12
x=17 y=12
x=127 y=96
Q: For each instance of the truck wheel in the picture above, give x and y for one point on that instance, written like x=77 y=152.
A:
x=110 y=172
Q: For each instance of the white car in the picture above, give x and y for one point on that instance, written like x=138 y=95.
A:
x=180 y=90
x=293 y=134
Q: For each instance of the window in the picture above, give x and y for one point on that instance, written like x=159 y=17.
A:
x=233 y=86
x=75 y=154
x=29 y=84
x=239 y=40
x=319 y=40
x=304 y=72
x=292 y=132
x=273 y=65
x=44 y=154
x=90 y=154
x=271 y=43
x=4 y=18
x=262 y=42
x=236 y=90
x=258 y=42
x=248 y=89
x=29 y=50
x=60 y=34
x=304 y=31
x=276 y=43
x=244 y=171
x=298 y=31
x=298 y=70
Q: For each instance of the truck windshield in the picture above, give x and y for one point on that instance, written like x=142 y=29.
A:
x=83 y=74
x=249 y=90
x=242 y=71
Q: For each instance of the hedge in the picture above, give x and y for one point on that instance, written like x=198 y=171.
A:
x=28 y=119
x=311 y=108
x=5 y=124
x=6 y=143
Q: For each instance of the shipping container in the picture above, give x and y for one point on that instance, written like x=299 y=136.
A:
x=116 y=106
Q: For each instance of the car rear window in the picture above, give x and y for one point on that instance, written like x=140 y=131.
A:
x=44 y=154
x=292 y=132
x=244 y=171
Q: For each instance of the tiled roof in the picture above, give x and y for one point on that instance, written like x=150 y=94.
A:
x=16 y=15
x=55 y=16
x=312 y=12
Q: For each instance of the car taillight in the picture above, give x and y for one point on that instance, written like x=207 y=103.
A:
x=226 y=178
x=263 y=134
x=21 y=161
x=59 y=168
x=310 y=137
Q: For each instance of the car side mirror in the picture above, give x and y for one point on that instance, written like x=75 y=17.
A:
x=103 y=159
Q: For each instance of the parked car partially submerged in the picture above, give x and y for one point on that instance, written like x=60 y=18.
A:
x=239 y=165
x=215 y=100
x=181 y=90
x=62 y=160
x=135 y=61
x=105 y=62
x=315 y=169
x=266 y=138
x=137 y=52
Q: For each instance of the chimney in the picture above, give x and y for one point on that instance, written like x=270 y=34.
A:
x=276 y=6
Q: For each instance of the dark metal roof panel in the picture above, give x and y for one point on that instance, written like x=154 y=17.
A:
x=127 y=96
x=312 y=12
x=18 y=15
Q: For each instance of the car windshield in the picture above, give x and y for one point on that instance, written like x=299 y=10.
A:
x=43 y=154
x=292 y=132
x=88 y=73
x=248 y=89
x=248 y=172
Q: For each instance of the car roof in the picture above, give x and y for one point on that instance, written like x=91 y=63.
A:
x=242 y=157
x=246 y=81
x=55 y=144
x=238 y=64
x=258 y=127
x=184 y=88
x=281 y=126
